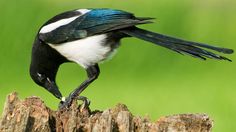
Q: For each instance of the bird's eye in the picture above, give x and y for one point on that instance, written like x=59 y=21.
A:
x=41 y=77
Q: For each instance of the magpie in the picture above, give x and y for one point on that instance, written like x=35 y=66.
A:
x=89 y=36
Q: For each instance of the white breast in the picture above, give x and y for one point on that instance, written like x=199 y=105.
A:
x=85 y=52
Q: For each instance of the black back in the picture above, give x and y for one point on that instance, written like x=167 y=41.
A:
x=97 y=21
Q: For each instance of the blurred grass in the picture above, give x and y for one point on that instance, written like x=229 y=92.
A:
x=149 y=79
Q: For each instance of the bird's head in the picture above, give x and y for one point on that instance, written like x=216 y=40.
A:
x=45 y=80
x=44 y=65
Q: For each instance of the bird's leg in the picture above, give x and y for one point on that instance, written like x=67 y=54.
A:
x=92 y=72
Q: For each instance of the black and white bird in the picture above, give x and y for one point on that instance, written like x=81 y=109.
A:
x=89 y=36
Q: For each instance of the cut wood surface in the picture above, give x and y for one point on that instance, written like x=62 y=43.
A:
x=32 y=115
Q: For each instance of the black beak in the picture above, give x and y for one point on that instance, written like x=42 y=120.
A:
x=52 y=87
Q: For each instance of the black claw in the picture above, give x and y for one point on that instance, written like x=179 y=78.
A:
x=65 y=104
x=68 y=101
x=86 y=101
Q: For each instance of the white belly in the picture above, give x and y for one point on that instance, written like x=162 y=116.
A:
x=85 y=52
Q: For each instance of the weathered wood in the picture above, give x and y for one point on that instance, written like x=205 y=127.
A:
x=31 y=115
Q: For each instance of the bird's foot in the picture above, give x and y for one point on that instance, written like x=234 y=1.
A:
x=66 y=102
x=85 y=104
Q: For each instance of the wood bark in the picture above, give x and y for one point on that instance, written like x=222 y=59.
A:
x=32 y=115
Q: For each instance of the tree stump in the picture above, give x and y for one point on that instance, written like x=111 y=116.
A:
x=31 y=115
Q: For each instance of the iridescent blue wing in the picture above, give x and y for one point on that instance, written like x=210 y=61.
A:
x=97 y=21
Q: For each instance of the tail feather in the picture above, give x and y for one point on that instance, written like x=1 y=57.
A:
x=144 y=18
x=184 y=42
x=178 y=45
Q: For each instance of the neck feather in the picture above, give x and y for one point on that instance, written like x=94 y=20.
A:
x=45 y=60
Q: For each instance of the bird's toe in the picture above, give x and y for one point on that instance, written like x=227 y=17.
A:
x=65 y=103
x=85 y=104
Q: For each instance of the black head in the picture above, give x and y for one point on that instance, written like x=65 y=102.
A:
x=45 y=62
x=44 y=81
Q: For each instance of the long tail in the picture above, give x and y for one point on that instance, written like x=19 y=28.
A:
x=181 y=46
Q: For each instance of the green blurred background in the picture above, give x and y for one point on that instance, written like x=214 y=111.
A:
x=149 y=79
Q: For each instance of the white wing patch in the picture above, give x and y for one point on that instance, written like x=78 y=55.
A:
x=83 y=11
x=52 y=26
x=57 y=24
x=85 y=52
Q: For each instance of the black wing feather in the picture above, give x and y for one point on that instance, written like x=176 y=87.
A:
x=94 y=22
